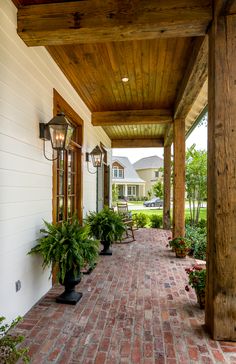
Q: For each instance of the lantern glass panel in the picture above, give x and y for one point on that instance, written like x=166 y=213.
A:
x=70 y=131
x=58 y=136
x=97 y=159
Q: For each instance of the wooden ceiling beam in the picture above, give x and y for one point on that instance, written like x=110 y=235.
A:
x=110 y=20
x=138 y=143
x=131 y=117
x=193 y=80
x=224 y=7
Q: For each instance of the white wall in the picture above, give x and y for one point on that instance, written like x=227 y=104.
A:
x=27 y=79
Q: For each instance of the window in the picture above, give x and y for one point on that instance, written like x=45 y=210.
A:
x=131 y=190
x=117 y=172
x=157 y=174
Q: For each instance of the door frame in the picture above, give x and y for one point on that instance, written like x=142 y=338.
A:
x=59 y=104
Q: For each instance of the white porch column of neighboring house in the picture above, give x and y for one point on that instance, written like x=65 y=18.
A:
x=125 y=190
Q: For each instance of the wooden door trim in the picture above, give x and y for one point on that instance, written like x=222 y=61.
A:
x=60 y=104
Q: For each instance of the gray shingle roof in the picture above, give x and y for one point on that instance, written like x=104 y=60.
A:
x=149 y=162
x=130 y=175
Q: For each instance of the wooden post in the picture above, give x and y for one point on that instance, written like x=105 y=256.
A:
x=221 y=253
x=167 y=172
x=179 y=178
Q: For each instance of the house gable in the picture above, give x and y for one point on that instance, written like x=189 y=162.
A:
x=117 y=165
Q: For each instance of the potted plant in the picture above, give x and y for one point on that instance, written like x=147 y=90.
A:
x=197 y=280
x=181 y=246
x=107 y=226
x=9 y=352
x=67 y=246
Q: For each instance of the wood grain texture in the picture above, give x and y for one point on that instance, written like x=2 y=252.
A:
x=223 y=7
x=109 y=20
x=221 y=253
x=167 y=187
x=35 y=2
x=137 y=143
x=131 y=117
x=194 y=78
x=231 y=7
x=135 y=131
x=179 y=179
x=168 y=139
x=154 y=68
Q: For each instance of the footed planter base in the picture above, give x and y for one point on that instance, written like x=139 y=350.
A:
x=70 y=296
x=105 y=252
x=106 y=249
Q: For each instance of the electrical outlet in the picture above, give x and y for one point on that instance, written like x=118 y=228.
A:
x=18 y=285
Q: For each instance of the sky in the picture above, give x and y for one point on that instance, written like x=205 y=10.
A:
x=198 y=137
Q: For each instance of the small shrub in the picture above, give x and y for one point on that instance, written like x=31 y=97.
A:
x=200 y=248
x=156 y=221
x=197 y=235
x=202 y=224
x=140 y=219
x=9 y=352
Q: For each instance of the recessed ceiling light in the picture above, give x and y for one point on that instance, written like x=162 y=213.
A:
x=124 y=79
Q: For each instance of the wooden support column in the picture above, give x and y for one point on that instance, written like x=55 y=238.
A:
x=167 y=173
x=221 y=253
x=179 y=178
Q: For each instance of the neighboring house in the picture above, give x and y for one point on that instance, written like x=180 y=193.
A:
x=125 y=178
x=149 y=170
x=33 y=89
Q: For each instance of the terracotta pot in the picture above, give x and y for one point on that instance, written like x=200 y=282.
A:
x=201 y=299
x=181 y=253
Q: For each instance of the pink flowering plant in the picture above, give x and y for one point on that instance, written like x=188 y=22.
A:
x=180 y=243
x=197 y=278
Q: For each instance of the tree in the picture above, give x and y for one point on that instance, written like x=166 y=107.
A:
x=158 y=189
x=149 y=194
x=196 y=180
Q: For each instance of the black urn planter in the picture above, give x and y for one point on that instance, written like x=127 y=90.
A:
x=70 y=296
x=106 y=248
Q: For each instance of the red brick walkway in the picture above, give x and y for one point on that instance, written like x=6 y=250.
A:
x=134 y=310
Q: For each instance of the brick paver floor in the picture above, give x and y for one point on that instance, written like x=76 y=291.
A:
x=134 y=310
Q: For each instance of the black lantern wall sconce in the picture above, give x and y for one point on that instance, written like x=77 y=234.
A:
x=59 y=130
x=97 y=156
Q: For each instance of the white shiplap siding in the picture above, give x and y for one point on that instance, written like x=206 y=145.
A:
x=27 y=79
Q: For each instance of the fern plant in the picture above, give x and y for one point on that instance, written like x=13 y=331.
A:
x=105 y=225
x=66 y=244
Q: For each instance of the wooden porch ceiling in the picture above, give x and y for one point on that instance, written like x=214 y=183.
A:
x=160 y=46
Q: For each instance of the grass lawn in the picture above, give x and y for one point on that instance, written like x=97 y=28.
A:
x=160 y=212
x=135 y=203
